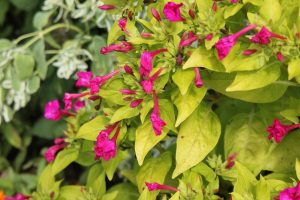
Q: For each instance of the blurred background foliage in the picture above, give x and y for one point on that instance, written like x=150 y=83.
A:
x=42 y=45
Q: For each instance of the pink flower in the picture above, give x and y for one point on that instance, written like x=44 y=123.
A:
x=121 y=47
x=100 y=80
x=198 y=80
x=156 y=186
x=18 y=196
x=106 y=148
x=215 y=6
x=234 y=1
x=147 y=85
x=128 y=69
x=191 y=37
x=279 y=56
x=127 y=91
x=69 y=97
x=52 y=151
x=278 y=130
x=78 y=105
x=249 y=52
x=225 y=44
x=264 y=35
x=52 y=110
x=230 y=161
x=157 y=122
x=122 y=24
x=209 y=37
x=172 y=11
x=84 y=79
x=192 y=14
x=146 y=62
x=155 y=14
x=136 y=103
x=292 y=193
x=59 y=140
x=146 y=35
x=107 y=7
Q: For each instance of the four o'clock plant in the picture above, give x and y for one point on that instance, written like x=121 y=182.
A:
x=187 y=111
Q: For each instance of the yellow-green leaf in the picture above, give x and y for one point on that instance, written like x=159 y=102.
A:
x=91 y=129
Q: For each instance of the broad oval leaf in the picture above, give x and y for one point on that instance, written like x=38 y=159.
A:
x=91 y=129
x=63 y=159
x=124 y=112
x=271 y=10
x=198 y=135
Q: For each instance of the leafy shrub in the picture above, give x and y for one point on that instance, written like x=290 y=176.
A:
x=186 y=111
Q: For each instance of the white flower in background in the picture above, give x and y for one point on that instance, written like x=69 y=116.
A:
x=70 y=60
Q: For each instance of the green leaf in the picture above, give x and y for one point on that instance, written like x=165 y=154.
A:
x=5 y=44
x=198 y=135
x=220 y=81
x=125 y=191
x=246 y=136
x=40 y=57
x=271 y=10
x=294 y=68
x=244 y=81
x=40 y=19
x=33 y=84
x=96 y=180
x=11 y=134
x=70 y=192
x=232 y=10
x=154 y=170
x=114 y=33
x=245 y=181
x=24 y=64
x=63 y=159
x=203 y=58
x=183 y=79
x=167 y=113
x=146 y=195
x=111 y=165
x=278 y=161
x=146 y=139
x=298 y=168
x=262 y=189
x=4 y=6
x=91 y=129
x=111 y=92
x=175 y=196
x=24 y=5
x=124 y=112
x=186 y=104
x=146 y=107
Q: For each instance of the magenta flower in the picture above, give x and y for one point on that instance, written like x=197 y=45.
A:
x=249 y=52
x=107 y=7
x=156 y=186
x=69 y=97
x=187 y=39
x=78 y=105
x=279 y=56
x=52 y=110
x=215 y=6
x=234 y=1
x=121 y=47
x=100 y=80
x=225 y=44
x=18 y=196
x=230 y=160
x=172 y=12
x=147 y=85
x=106 y=148
x=146 y=35
x=157 y=122
x=209 y=37
x=278 y=130
x=155 y=14
x=292 y=193
x=146 y=62
x=127 y=91
x=122 y=24
x=264 y=35
x=128 y=69
x=192 y=14
x=136 y=103
x=52 y=151
x=198 y=80
x=84 y=79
